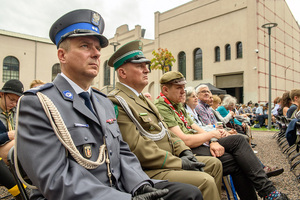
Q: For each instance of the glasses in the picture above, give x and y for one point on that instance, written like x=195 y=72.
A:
x=11 y=99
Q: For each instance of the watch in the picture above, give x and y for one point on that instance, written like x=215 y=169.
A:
x=213 y=140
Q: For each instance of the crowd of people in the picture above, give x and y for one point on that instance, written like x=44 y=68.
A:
x=74 y=142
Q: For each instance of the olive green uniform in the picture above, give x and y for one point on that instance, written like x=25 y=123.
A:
x=160 y=159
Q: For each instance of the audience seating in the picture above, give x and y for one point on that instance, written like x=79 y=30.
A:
x=292 y=152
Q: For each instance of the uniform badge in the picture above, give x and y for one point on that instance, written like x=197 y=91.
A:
x=95 y=19
x=110 y=121
x=140 y=46
x=68 y=94
x=87 y=150
x=152 y=128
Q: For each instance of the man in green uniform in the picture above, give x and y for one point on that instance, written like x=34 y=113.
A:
x=161 y=153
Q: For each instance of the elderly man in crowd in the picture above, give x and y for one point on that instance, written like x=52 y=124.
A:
x=161 y=153
x=236 y=155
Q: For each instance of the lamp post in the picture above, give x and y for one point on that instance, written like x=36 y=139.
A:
x=115 y=44
x=269 y=26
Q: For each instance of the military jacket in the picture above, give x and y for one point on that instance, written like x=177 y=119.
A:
x=171 y=118
x=45 y=160
x=155 y=156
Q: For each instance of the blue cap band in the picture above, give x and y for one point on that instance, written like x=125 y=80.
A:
x=71 y=28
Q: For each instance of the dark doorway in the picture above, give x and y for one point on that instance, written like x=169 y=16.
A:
x=236 y=92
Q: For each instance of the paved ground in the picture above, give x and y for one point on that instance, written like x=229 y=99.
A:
x=269 y=153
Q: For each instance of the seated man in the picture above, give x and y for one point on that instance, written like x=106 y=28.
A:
x=161 y=153
x=234 y=152
x=261 y=116
x=77 y=151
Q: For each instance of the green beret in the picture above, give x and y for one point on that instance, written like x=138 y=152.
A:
x=130 y=52
x=173 y=77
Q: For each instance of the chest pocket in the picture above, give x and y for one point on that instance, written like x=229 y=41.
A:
x=113 y=138
x=81 y=136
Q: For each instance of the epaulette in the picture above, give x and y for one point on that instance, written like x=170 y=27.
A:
x=95 y=90
x=113 y=93
x=39 y=88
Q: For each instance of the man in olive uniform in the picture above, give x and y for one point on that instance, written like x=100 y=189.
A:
x=93 y=162
x=162 y=154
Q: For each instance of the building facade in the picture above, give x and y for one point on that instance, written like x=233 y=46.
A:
x=221 y=42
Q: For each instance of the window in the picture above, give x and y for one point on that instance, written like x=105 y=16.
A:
x=198 y=68
x=182 y=63
x=227 y=52
x=10 y=68
x=239 y=50
x=55 y=70
x=217 y=54
x=106 y=74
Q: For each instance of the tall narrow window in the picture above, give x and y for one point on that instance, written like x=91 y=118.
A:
x=217 y=54
x=239 y=50
x=198 y=69
x=106 y=74
x=182 y=63
x=55 y=70
x=10 y=68
x=227 y=52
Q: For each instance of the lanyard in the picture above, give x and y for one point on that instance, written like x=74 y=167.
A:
x=180 y=115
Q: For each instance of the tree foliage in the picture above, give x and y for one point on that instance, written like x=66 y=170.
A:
x=163 y=60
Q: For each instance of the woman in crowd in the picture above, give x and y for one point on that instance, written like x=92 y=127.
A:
x=286 y=103
x=227 y=106
x=36 y=83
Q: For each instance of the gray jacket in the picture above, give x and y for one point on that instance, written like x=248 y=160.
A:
x=56 y=174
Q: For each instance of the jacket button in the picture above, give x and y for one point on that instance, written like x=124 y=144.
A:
x=110 y=152
x=85 y=138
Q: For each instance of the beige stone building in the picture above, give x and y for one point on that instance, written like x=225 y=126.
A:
x=221 y=42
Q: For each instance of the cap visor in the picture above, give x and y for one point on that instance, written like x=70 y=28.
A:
x=180 y=83
x=142 y=60
x=102 y=38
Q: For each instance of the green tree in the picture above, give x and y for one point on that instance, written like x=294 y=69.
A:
x=163 y=60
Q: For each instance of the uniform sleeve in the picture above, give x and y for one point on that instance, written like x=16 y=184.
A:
x=44 y=159
x=3 y=138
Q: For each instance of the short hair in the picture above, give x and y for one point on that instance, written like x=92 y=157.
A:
x=228 y=100
x=65 y=44
x=36 y=82
x=216 y=98
x=294 y=93
x=189 y=91
x=200 y=87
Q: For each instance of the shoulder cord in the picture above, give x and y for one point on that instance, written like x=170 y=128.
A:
x=64 y=136
x=143 y=132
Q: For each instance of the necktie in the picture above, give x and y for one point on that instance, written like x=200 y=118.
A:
x=87 y=100
x=9 y=119
x=143 y=98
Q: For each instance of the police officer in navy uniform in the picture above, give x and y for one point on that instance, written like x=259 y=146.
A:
x=90 y=122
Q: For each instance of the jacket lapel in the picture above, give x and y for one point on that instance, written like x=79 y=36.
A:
x=69 y=94
x=133 y=96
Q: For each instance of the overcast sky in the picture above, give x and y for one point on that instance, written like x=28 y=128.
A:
x=34 y=17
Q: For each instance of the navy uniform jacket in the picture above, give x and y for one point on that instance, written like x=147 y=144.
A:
x=56 y=174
